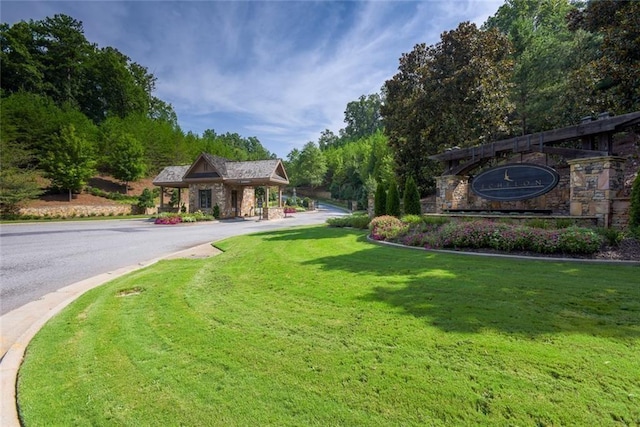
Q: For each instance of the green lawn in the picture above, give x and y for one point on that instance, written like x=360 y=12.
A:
x=316 y=326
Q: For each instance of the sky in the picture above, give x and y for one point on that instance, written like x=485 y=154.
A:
x=281 y=71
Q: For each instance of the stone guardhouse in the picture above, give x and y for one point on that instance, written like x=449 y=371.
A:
x=231 y=185
x=571 y=172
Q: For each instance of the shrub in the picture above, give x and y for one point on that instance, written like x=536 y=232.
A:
x=411 y=198
x=578 y=240
x=146 y=199
x=393 y=200
x=484 y=234
x=611 y=236
x=356 y=221
x=387 y=227
x=216 y=211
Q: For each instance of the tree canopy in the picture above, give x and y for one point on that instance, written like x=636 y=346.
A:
x=454 y=93
x=58 y=88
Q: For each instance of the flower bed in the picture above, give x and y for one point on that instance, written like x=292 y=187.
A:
x=170 y=218
x=485 y=234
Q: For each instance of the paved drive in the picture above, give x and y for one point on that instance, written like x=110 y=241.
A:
x=39 y=258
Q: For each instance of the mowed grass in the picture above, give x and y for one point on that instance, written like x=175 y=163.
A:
x=316 y=326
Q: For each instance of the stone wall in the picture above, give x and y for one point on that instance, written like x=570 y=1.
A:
x=246 y=201
x=620 y=212
x=591 y=187
x=595 y=183
x=454 y=192
x=218 y=194
x=272 y=212
x=73 y=211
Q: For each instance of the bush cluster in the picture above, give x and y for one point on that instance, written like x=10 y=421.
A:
x=355 y=221
x=387 y=227
x=176 y=218
x=484 y=234
x=110 y=195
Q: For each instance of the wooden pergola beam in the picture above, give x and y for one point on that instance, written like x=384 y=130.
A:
x=599 y=131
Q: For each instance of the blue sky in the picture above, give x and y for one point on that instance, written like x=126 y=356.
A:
x=282 y=71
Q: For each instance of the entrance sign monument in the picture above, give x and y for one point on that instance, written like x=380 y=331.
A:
x=516 y=181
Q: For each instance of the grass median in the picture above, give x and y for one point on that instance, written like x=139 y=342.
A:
x=316 y=326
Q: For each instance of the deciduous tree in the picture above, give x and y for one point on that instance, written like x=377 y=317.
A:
x=454 y=93
x=69 y=162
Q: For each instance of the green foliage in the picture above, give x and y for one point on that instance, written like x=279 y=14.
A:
x=483 y=234
x=393 y=200
x=362 y=118
x=424 y=338
x=146 y=199
x=18 y=181
x=52 y=58
x=174 y=199
x=216 y=211
x=380 y=201
x=453 y=93
x=170 y=218
x=411 y=198
x=126 y=159
x=547 y=55
x=69 y=162
x=615 y=59
x=634 y=207
x=356 y=220
x=387 y=227
x=308 y=166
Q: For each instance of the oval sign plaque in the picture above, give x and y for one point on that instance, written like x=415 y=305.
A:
x=517 y=181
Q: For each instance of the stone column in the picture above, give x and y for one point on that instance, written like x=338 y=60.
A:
x=595 y=182
x=452 y=192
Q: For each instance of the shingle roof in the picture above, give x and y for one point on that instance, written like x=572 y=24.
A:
x=171 y=176
x=256 y=172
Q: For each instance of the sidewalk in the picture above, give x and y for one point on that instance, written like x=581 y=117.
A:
x=19 y=326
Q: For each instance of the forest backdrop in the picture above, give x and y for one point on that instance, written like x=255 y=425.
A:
x=70 y=108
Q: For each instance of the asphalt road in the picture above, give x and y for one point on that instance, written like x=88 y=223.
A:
x=39 y=258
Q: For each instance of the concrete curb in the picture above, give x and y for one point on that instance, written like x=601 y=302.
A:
x=19 y=326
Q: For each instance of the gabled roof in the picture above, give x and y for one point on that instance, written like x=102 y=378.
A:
x=171 y=176
x=208 y=168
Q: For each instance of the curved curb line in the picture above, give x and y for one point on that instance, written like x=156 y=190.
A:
x=38 y=313
x=523 y=257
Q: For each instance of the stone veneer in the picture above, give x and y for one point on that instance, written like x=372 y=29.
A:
x=590 y=187
x=80 y=211
x=595 y=183
x=272 y=212
x=217 y=195
x=454 y=192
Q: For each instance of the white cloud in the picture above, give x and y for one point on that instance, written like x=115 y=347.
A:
x=281 y=71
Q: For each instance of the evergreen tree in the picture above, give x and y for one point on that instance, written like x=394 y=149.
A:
x=380 y=202
x=411 y=198
x=393 y=200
